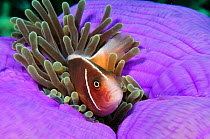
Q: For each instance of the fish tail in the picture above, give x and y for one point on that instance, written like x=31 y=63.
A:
x=121 y=44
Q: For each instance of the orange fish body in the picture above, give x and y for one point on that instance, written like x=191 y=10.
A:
x=98 y=88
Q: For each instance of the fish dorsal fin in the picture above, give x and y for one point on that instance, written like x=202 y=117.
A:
x=119 y=44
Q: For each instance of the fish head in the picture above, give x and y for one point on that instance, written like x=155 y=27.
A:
x=105 y=91
x=98 y=89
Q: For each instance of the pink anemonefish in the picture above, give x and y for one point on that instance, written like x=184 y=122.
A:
x=98 y=88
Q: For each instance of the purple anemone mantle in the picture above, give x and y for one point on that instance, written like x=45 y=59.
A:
x=173 y=67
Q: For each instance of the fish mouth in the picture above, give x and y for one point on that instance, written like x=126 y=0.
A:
x=112 y=99
x=109 y=103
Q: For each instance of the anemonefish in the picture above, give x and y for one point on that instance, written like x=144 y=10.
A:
x=98 y=88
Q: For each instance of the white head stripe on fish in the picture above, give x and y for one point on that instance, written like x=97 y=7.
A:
x=88 y=89
x=73 y=56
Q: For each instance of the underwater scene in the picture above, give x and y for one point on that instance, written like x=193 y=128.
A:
x=114 y=69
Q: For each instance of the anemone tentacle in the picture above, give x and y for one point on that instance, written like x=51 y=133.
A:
x=44 y=44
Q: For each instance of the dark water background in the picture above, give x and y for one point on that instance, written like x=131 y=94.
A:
x=14 y=8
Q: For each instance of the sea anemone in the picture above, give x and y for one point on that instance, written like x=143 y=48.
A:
x=172 y=68
x=50 y=43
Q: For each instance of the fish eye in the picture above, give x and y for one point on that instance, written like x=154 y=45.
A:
x=96 y=84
